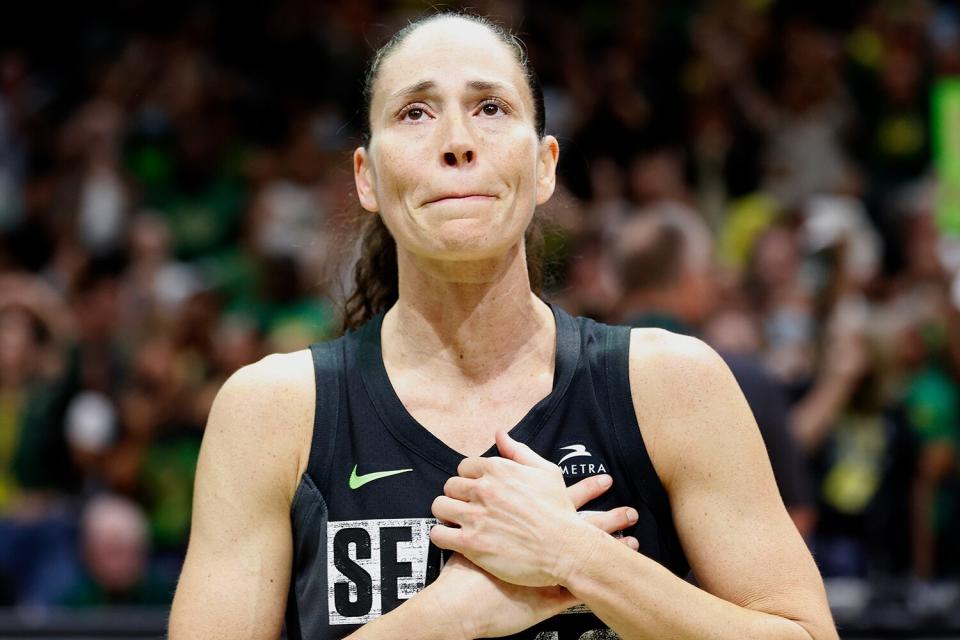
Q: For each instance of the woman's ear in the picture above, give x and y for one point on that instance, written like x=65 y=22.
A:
x=366 y=180
x=547 y=157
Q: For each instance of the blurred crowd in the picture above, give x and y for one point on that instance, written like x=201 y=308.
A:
x=176 y=201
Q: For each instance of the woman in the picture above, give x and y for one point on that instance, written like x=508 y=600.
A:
x=397 y=419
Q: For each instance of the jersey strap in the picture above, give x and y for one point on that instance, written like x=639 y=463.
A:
x=328 y=363
x=309 y=513
x=632 y=448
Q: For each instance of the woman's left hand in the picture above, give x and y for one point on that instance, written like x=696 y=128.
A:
x=515 y=517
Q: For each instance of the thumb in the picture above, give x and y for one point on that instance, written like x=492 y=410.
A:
x=519 y=452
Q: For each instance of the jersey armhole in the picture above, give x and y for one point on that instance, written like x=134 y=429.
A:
x=326 y=417
x=626 y=428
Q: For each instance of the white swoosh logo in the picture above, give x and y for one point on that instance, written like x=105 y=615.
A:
x=576 y=451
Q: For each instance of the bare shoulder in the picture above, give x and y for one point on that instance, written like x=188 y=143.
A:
x=282 y=366
x=680 y=386
x=263 y=414
x=663 y=358
x=657 y=347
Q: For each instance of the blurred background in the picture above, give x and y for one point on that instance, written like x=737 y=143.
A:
x=781 y=179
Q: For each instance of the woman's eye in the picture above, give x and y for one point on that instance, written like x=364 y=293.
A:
x=414 y=114
x=491 y=109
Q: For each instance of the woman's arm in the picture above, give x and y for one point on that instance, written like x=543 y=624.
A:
x=236 y=574
x=467 y=602
x=758 y=578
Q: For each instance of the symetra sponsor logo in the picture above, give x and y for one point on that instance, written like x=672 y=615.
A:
x=571 y=467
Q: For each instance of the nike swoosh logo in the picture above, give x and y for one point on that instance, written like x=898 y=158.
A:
x=358 y=481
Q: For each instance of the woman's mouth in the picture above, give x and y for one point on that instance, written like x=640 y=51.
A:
x=464 y=197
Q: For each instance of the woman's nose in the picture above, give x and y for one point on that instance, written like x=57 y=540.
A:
x=458 y=148
x=456 y=157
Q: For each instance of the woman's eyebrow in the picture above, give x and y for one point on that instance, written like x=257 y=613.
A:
x=428 y=85
x=416 y=88
x=485 y=85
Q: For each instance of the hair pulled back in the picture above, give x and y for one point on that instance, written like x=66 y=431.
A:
x=375 y=274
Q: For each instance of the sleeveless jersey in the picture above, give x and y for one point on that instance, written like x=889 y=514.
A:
x=361 y=514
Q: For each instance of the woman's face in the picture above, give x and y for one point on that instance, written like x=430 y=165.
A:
x=454 y=164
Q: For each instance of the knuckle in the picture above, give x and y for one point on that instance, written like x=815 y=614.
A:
x=484 y=490
x=449 y=485
x=468 y=538
x=467 y=489
x=466 y=515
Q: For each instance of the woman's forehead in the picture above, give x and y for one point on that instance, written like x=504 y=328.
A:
x=450 y=51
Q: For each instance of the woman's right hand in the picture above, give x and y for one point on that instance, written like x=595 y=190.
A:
x=478 y=605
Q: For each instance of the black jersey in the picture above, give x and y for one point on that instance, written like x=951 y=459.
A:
x=361 y=514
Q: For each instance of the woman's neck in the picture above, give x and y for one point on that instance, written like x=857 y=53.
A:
x=471 y=320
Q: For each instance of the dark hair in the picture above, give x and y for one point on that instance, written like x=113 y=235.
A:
x=657 y=262
x=659 y=244
x=375 y=274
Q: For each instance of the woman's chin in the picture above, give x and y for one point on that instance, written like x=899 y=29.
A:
x=463 y=247
x=467 y=239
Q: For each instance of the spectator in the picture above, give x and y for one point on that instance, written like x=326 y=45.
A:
x=664 y=261
x=863 y=456
x=115 y=552
x=36 y=529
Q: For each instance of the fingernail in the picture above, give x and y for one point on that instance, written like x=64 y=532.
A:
x=633 y=543
x=604 y=481
x=632 y=515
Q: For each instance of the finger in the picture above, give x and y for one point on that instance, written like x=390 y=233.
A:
x=519 y=452
x=471 y=467
x=446 y=537
x=614 y=520
x=631 y=542
x=448 y=510
x=589 y=488
x=459 y=488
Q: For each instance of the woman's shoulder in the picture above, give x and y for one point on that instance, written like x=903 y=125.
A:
x=268 y=407
x=677 y=383
x=669 y=368
x=275 y=379
x=650 y=346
